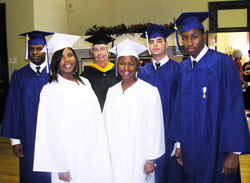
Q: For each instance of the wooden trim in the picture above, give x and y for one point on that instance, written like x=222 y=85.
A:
x=227 y=5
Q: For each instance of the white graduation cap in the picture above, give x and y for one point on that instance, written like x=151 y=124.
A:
x=59 y=41
x=128 y=48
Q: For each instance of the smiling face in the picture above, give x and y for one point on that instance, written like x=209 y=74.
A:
x=101 y=54
x=194 y=41
x=158 y=48
x=35 y=55
x=67 y=63
x=127 y=67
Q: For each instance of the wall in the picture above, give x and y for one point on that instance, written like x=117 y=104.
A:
x=113 y=12
x=50 y=15
x=228 y=42
x=27 y=15
x=18 y=20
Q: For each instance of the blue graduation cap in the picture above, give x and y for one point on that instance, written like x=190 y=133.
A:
x=189 y=21
x=154 y=31
x=35 y=38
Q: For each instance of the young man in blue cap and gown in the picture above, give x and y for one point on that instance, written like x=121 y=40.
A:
x=19 y=121
x=163 y=72
x=213 y=128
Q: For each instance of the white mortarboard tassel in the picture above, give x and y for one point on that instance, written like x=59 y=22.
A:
x=27 y=47
x=147 y=42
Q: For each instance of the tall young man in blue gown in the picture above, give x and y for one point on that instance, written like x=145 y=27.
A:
x=166 y=78
x=213 y=128
x=19 y=121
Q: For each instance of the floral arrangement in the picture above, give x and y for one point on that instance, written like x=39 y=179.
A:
x=123 y=29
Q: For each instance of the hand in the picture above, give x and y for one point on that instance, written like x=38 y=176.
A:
x=64 y=176
x=231 y=164
x=178 y=156
x=18 y=150
x=149 y=166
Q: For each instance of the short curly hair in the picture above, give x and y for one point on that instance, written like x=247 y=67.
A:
x=237 y=54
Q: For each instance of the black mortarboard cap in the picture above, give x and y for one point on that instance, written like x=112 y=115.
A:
x=99 y=38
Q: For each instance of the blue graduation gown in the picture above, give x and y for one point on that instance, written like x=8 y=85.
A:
x=20 y=117
x=213 y=121
x=166 y=79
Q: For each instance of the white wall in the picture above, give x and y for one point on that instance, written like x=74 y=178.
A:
x=113 y=12
x=50 y=15
x=19 y=19
x=27 y=15
x=228 y=42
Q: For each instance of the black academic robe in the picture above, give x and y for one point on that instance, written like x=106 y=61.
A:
x=100 y=81
x=166 y=79
x=213 y=121
x=20 y=118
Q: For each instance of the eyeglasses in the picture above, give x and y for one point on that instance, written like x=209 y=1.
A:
x=102 y=49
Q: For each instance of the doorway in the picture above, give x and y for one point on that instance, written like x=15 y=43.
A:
x=227 y=42
x=4 y=73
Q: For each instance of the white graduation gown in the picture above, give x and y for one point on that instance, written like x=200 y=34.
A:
x=134 y=126
x=70 y=134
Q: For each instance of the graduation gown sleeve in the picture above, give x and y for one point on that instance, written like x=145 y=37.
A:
x=49 y=158
x=11 y=120
x=155 y=134
x=234 y=129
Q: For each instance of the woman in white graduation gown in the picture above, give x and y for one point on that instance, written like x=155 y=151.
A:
x=133 y=119
x=70 y=135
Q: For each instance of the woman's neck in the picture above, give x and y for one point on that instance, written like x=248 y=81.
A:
x=128 y=83
x=68 y=76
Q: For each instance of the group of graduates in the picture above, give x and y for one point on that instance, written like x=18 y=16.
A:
x=166 y=122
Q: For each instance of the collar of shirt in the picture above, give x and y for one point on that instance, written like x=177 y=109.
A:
x=33 y=66
x=162 y=61
x=201 y=54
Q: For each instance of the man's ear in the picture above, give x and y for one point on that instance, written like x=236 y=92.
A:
x=204 y=36
x=166 y=43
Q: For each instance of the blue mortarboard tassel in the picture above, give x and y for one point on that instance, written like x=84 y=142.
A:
x=147 y=42
x=176 y=38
